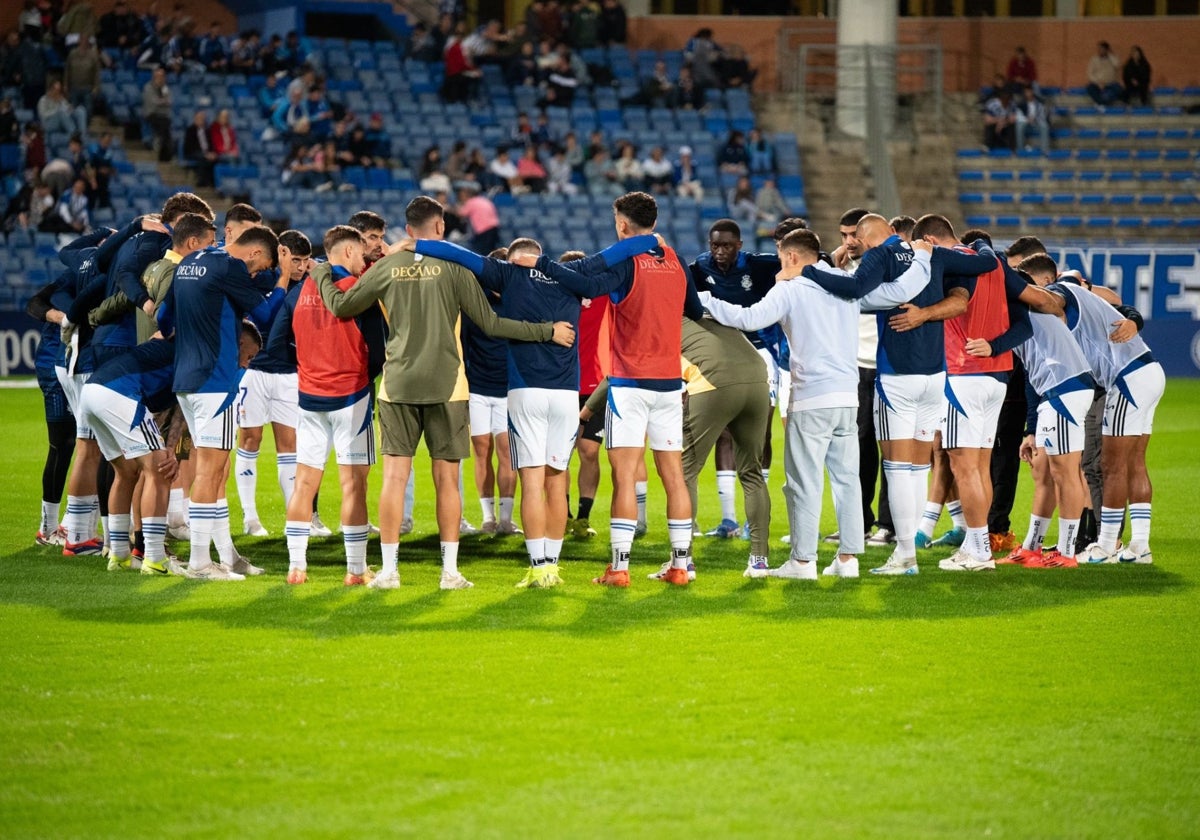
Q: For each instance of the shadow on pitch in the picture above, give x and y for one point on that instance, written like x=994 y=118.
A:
x=79 y=589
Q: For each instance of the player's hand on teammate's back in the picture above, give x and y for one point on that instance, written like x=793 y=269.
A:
x=922 y=245
x=525 y=260
x=406 y=244
x=978 y=347
x=1125 y=330
x=564 y=333
x=153 y=223
x=911 y=318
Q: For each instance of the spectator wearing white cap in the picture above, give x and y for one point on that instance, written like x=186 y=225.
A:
x=687 y=179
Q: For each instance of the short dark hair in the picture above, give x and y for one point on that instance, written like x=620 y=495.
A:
x=931 y=224
x=639 y=208
x=801 y=239
x=903 y=225
x=1038 y=264
x=500 y=253
x=185 y=202
x=262 y=236
x=338 y=234
x=422 y=210
x=524 y=243
x=725 y=226
x=249 y=328
x=788 y=225
x=1026 y=246
x=852 y=217
x=189 y=225
x=568 y=256
x=243 y=213
x=975 y=234
x=296 y=242
x=365 y=220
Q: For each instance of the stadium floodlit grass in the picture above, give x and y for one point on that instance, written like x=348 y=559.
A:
x=1019 y=703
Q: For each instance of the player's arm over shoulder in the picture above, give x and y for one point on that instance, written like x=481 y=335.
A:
x=359 y=297
x=471 y=301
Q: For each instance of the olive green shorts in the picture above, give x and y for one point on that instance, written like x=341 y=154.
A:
x=444 y=426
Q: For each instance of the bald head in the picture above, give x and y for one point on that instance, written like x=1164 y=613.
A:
x=873 y=229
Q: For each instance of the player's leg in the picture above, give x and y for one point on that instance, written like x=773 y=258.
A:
x=482 y=447
x=726 y=492
x=941 y=480
x=506 y=485
x=60 y=435
x=399 y=432
x=158 y=471
x=355 y=527
x=285 y=458
x=704 y=427
x=896 y=407
x=210 y=419
x=664 y=433
x=245 y=469
x=808 y=437
x=841 y=463
x=314 y=438
x=591 y=434
x=83 y=501
x=1069 y=491
x=120 y=502
x=1129 y=419
x=752 y=406
x=448 y=439
x=625 y=418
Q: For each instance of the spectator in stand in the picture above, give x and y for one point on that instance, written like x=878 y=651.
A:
x=1031 y=116
x=120 y=30
x=560 y=85
x=73 y=209
x=433 y=178
x=477 y=170
x=306 y=168
x=659 y=172
x=268 y=56
x=156 y=111
x=378 y=141
x=198 y=150
x=268 y=96
x=320 y=114
x=34 y=143
x=481 y=217
x=761 y=155
x=771 y=210
x=77 y=24
x=290 y=119
x=583 y=25
x=579 y=68
x=40 y=214
x=432 y=45
x=58 y=175
x=522 y=133
x=658 y=89
x=688 y=95
x=529 y=168
x=244 y=54
x=734 y=158
x=703 y=54
x=543 y=135
x=78 y=159
x=30 y=21
x=57 y=114
x=742 y=207
x=183 y=50
x=522 y=70
x=10 y=129
x=456 y=161
x=213 y=51
x=29 y=63
x=687 y=180
x=1022 y=71
x=305 y=81
x=291 y=54
x=999 y=121
x=560 y=174
x=573 y=152
x=1136 y=75
x=504 y=172
x=461 y=74
x=629 y=168
x=601 y=175
x=1102 y=85
x=544 y=21
x=9 y=75
x=101 y=162
x=613 y=22
x=152 y=52
x=595 y=141
x=223 y=138
x=734 y=69
x=81 y=75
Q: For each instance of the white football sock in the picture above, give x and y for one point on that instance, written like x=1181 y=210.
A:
x=956 y=514
x=154 y=534
x=725 y=494
x=1036 y=535
x=506 y=508
x=354 y=538
x=1110 y=527
x=488 y=506
x=245 y=468
x=621 y=541
x=902 y=500
x=285 y=471
x=1139 y=524
x=640 y=487
x=929 y=519
x=449 y=558
x=297 y=533
x=1068 y=529
x=201 y=519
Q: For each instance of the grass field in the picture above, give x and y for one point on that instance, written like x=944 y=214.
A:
x=1024 y=703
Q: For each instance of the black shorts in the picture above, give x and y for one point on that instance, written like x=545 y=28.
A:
x=593 y=429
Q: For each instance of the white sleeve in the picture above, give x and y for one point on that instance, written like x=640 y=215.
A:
x=767 y=312
x=901 y=290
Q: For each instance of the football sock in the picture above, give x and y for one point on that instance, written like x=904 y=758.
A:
x=766 y=474
x=410 y=497
x=118 y=534
x=902 y=500
x=154 y=531
x=104 y=529
x=489 y=509
x=1067 y=530
x=354 y=538
x=919 y=487
x=1036 y=535
x=680 y=532
x=1139 y=524
x=976 y=543
x=1110 y=527
x=621 y=540
x=639 y=487
x=585 y=507
x=285 y=471
x=553 y=550
x=297 y=534
x=245 y=467
x=933 y=512
x=201 y=519
x=537 y=551
x=221 y=538
x=506 y=508
x=49 y=523
x=176 y=514
x=449 y=558
x=725 y=481
x=389 y=556
x=79 y=512
x=956 y=515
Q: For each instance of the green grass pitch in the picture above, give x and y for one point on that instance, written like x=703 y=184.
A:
x=1023 y=703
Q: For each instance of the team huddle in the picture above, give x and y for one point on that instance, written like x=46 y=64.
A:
x=163 y=353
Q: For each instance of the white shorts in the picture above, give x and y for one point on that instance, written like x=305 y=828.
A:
x=972 y=410
x=773 y=380
x=72 y=386
x=1130 y=402
x=542 y=426
x=114 y=420
x=210 y=419
x=908 y=407
x=1060 y=422
x=489 y=415
x=268 y=398
x=349 y=432
x=635 y=415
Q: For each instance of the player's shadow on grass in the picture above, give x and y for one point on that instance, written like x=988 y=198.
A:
x=80 y=590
